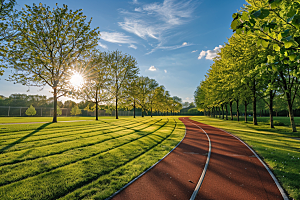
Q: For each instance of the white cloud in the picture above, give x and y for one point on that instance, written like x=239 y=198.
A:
x=102 y=45
x=194 y=51
x=157 y=20
x=190 y=100
x=139 y=28
x=165 y=71
x=202 y=54
x=132 y=46
x=185 y=43
x=138 y=9
x=159 y=46
x=152 y=68
x=135 y=1
x=115 y=37
x=210 y=54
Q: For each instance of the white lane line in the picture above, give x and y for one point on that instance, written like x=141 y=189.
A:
x=205 y=168
x=284 y=196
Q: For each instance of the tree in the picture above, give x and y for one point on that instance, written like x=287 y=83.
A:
x=158 y=99
x=277 y=24
x=131 y=95
x=145 y=91
x=151 y=100
x=48 y=44
x=7 y=15
x=176 y=105
x=30 y=111
x=75 y=110
x=69 y=104
x=122 y=69
x=95 y=89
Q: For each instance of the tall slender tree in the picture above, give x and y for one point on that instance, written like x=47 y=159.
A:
x=122 y=69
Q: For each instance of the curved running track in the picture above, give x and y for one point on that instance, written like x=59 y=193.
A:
x=233 y=171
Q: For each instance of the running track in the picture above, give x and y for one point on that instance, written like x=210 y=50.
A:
x=233 y=170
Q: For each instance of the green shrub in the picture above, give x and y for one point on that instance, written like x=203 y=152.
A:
x=30 y=111
x=277 y=123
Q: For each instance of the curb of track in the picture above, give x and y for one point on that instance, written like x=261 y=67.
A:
x=139 y=176
x=283 y=194
x=196 y=190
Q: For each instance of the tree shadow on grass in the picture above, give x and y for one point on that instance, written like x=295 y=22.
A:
x=23 y=138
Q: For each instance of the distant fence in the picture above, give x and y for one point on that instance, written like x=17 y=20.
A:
x=13 y=111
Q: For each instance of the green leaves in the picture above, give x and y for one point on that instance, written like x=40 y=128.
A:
x=276 y=47
x=274 y=3
x=296 y=21
x=262 y=13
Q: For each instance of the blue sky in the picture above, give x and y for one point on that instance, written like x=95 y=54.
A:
x=173 y=41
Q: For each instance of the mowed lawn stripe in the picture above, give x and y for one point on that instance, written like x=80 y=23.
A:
x=57 y=138
x=29 y=154
x=51 y=185
x=50 y=131
x=109 y=183
x=19 y=171
x=14 y=129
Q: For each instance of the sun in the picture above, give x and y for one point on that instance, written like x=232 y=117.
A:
x=77 y=80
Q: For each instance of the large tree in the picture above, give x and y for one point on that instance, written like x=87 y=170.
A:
x=48 y=43
x=7 y=15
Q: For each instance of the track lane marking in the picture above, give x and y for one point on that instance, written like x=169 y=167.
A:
x=281 y=190
x=200 y=181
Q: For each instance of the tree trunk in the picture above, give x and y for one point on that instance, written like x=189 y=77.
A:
x=222 y=111
x=55 y=105
x=237 y=110
x=117 y=117
x=96 y=104
x=260 y=113
x=142 y=112
x=254 y=105
x=151 y=109
x=291 y=112
x=245 y=110
x=133 y=108
x=271 y=108
x=231 y=114
x=226 y=111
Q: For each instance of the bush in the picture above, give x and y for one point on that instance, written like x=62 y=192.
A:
x=30 y=111
x=277 y=123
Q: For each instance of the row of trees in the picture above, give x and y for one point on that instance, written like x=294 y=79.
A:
x=47 y=47
x=113 y=78
x=259 y=61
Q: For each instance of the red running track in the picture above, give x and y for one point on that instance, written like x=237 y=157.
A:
x=233 y=171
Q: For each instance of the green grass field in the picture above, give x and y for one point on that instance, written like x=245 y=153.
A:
x=49 y=119
x=81 y=160
x=275 y=146
x=266 y=120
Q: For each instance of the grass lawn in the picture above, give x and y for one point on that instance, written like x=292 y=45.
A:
x=266 y=120
x=275 y=147
x=81 y=160
x=49 y=119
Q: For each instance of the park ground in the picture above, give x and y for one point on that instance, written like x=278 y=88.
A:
x=61 y=160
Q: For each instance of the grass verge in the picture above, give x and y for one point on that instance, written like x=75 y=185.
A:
x=81 y=160
x=274 y=146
